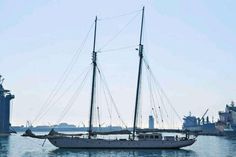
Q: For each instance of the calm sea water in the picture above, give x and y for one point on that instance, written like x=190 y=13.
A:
x=17 y=146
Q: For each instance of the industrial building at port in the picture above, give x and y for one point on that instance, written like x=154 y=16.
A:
x=5 y=99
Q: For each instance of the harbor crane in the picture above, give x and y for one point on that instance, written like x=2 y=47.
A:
x=202 y=118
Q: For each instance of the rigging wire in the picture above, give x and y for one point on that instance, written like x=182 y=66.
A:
x=31 y=141
x=99 y=102
x=119 y=16
x=110 y=96
x=102 y=90
x=118 y=33
x=72 y=100
x=63 y=78
x=152 y=101
x=107 y=103
x=99 y=122
x=108 y=108
x=156 y=116
x=161 y=89
x=62 y=94
x=153 y=96
x=170 y=103
x=159 y=107
x=150 y=83
x=162 y=101
x=158 y=92
x=119 y=48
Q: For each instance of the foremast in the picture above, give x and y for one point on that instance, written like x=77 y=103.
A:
x=137 y=99
x=94 y=62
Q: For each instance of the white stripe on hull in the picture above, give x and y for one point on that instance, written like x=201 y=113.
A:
x=80 y=143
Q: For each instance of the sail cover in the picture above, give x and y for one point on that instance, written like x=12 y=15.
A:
x=113 y=132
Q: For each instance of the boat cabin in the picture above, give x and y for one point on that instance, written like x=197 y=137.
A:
x=152 y=136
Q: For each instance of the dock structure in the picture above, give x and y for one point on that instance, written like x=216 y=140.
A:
x=5 y=99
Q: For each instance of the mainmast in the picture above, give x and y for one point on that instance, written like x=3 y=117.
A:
x=94 y=62
x=139 y=76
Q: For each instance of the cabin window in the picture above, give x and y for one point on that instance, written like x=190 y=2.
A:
x=151 y=137
x=156 y=137
x=141 y=137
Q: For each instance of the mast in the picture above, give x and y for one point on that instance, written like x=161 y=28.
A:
x=94 y=62
x=139 y=77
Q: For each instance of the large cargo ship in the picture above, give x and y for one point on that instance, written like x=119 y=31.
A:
x=225 y=126
x=227 y=120
x=202 y=126
x=5 y=99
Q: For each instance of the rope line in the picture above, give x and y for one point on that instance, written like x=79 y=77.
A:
x=73 y=99
x=161 y=89
x=61 y=96
x=63 y=78
x=119 y=48
x=119 y=16
x=118 y=33
x=110 y=96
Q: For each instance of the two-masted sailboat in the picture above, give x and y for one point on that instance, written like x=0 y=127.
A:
x=138 y=140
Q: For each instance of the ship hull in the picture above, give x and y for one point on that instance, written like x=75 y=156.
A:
x=83 y=143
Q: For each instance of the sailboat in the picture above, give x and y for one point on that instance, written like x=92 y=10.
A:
x=137 y=140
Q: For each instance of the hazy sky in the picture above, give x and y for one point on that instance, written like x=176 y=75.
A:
x=190 y=46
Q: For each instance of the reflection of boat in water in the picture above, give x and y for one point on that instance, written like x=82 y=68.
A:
x=122 y=152
x=135 y=140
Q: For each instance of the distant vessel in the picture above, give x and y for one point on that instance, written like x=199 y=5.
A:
x=202 y=126
x=137 y=140
x=227 y=122
x=5 y=98
x=225 y=126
